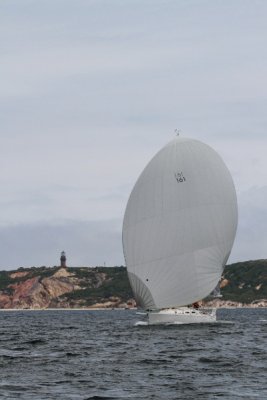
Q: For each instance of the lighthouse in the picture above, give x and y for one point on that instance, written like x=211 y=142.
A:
x=63 y=260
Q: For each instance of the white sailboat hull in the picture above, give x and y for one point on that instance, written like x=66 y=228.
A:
x=182 y=315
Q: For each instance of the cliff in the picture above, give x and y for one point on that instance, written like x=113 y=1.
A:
x=56 y=287
x=242 y=284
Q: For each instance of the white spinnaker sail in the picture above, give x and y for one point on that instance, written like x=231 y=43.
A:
x=179 y=225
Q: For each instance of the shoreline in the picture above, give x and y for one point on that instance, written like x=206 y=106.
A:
x=67 y=309
x=113 y=309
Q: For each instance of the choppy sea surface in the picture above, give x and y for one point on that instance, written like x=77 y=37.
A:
x=102 y=355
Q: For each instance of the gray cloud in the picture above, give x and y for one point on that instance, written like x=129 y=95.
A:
x=91 y=90
x=86 y=244
x=251 y=240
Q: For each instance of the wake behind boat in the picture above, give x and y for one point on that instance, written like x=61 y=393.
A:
x=178 y=230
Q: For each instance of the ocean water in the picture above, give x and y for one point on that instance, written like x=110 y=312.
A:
x=102 y=355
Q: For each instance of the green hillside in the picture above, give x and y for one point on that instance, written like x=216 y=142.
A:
x=247 y=281
x=116 y=284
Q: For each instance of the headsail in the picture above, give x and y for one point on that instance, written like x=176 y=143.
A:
x=179 y=225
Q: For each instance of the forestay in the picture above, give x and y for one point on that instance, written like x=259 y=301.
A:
x=179 y=225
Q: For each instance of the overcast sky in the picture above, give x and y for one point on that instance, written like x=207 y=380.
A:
x=90 y=90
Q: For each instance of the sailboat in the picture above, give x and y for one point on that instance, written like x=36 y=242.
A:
x=178 y=231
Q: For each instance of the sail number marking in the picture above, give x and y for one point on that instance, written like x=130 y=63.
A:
x=179 y=177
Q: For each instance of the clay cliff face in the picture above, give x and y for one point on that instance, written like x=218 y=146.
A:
x=36 y=292
x=56 y=288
